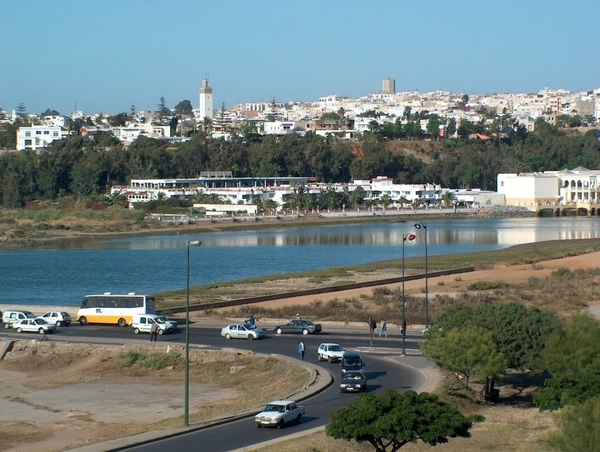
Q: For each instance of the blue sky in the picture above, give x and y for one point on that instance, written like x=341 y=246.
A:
x=105 y=56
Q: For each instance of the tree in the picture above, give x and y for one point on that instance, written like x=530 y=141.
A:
x=467 y=353
x=449 y=198
x=162 y=108
x=184 y=108
x=433 y=126
x=451 y=130
x=578 y=428
x=520 y=333
x=21 y=110
x=392 y=420
x=571 y=358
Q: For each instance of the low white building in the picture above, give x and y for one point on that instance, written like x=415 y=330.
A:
x=129 y=134
x=550 y=188
x=38 y=137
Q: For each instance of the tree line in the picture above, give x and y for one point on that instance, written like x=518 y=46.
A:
x=84 y=167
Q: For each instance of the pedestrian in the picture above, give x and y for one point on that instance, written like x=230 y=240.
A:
x=301 y=350
x=153 y=332
x=298 y=317
x=383 y=329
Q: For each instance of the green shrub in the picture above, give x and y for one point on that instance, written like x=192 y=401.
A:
x=149 y=360
x=487 y=285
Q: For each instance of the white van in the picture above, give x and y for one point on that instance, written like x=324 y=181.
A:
x=14 y=315
x=142 y=323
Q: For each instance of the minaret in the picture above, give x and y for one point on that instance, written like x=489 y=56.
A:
x=206 y=100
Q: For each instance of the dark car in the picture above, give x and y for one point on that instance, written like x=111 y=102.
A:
x=299 y=327
x=351 y=361
x=353 y=381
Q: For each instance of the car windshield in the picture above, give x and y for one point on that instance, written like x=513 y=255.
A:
x=275 y=408
x=335 y=348
x=40 y=321
x=64 y=314
x=161 y=320
x=352 y=376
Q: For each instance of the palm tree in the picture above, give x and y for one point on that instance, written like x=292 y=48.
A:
x=271 y=205
x=449 y=198
x=385 y=201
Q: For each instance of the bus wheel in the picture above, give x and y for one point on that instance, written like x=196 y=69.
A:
x=83 y=321
x=122 y=322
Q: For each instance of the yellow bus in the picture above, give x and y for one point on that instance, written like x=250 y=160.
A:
x=115 y=309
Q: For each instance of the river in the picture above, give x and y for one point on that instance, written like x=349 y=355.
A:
x=62 y=275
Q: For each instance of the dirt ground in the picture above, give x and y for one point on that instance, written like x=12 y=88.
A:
x=56 y=407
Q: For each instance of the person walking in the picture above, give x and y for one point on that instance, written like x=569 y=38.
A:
x=153 y=332
x=383 y=329
x=301 y=350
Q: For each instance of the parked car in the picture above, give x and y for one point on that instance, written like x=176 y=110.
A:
x=37 y=325
x=278 y=413
x=353 y=381
x=299 y=326
x=11 y=316
x=329 y=351
x=242 y=331
x=351 y=361
x=59 y=318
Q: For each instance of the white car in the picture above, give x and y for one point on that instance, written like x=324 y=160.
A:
x=37 y=325
x=59 y=318
x=278 y=413
x=242 y=331
x=328 y=351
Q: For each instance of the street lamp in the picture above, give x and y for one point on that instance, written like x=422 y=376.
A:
x=404 y=237
x=186 y=406
x=424 y=227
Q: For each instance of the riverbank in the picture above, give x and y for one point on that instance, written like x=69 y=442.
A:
x=74 y=230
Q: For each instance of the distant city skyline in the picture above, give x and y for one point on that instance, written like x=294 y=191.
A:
x=105 y=57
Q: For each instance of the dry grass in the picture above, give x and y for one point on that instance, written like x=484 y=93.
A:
x=50 y=368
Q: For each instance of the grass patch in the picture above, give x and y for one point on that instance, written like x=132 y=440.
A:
x=150 y=360
x=487 y=285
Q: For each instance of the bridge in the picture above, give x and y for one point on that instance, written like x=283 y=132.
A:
x=569 y=210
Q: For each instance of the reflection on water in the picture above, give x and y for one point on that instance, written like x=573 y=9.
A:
x=63 y=275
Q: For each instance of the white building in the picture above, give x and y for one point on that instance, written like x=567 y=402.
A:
x=278 y=127
x=129 y=134
x=38 y=137
x=551 y=188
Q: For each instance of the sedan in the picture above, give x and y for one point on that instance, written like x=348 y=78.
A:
x=37 y=325
x=242 y=331
x=353 y=381
x=331 y=352
x=59 y=318
x=298 y=326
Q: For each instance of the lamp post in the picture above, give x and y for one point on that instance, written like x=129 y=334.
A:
x=424 y=227
x=404 y=237
x=186 y=405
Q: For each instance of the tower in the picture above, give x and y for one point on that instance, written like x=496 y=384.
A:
x=388 y=86
x=206 y=100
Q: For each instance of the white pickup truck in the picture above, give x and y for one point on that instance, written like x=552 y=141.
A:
x=278 y=413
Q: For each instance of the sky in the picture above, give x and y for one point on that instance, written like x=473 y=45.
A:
x=107 y=56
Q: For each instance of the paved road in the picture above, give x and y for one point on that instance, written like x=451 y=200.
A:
x=385 y=368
